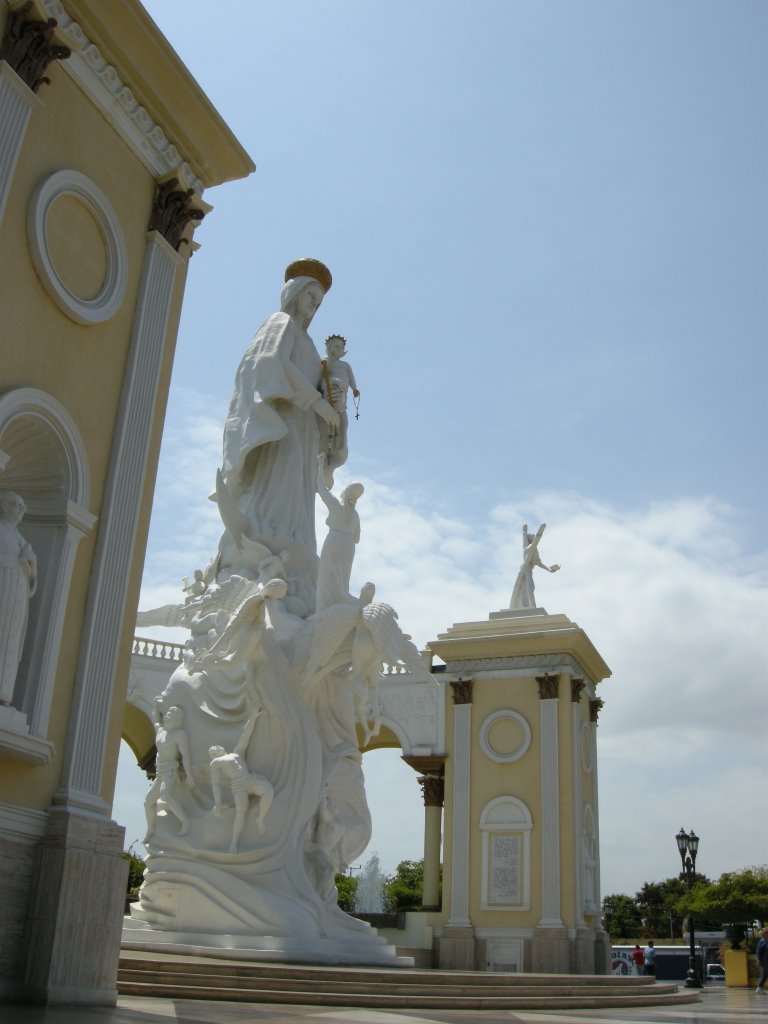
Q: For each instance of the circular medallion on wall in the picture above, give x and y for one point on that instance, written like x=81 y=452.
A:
x=586 y=747
x=77 y=247
x=505 y=736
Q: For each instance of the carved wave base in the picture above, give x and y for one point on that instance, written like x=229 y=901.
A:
x=273 y=897
x=368 y=951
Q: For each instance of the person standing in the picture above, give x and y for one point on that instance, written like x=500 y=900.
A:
x=638 y=959
x=762 y=959
x=649 y=958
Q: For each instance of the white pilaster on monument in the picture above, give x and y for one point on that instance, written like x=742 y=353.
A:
x=462 y=738
x=17 y=101
x=125 y=486
x=550 y=803
x=577 y=849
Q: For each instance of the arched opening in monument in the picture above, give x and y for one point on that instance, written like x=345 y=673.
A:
x=131 y=785
x=396 y=806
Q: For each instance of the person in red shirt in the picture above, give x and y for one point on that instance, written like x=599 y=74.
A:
x=637 y=959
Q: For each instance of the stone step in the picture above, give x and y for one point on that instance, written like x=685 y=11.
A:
x=393 y=986
x=179 y=977
x=413 y=1000
x=179 y=964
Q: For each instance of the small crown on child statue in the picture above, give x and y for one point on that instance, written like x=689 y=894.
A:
x=308 y=267
x=337 y=337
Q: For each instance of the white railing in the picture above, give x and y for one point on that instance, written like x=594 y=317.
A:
x=147 y=648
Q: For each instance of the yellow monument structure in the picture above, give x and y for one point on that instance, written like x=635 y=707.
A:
x=521 y=860
x=106 y=146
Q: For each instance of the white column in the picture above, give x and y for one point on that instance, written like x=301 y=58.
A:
x=433 y=814
x=17 y=101
x=550 y=812
x=99 y=647
x=462 y=746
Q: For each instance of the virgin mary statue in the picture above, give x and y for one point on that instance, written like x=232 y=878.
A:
x=273 y=428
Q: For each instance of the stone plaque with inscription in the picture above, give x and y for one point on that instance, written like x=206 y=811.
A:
x=505 y=873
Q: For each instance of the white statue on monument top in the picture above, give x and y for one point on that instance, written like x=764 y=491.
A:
x=523 y=592
x=279 y=651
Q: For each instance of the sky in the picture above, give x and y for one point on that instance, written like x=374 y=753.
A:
x=548 y=230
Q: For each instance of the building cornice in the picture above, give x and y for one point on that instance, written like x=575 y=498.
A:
x=205 y=152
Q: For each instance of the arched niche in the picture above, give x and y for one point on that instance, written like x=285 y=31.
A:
x=42 y=458
x=506 y=825
x=589 y=860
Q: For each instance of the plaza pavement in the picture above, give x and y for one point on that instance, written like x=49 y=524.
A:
x=718 y=1005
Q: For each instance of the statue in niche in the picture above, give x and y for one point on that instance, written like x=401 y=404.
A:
x=272 y=433
x=232 y=770
x=523 y=592
x=338 y=550
x=337 y=380
x=173 y=753
x=18 y=582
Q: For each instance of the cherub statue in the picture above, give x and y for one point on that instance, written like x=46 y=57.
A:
x=338 y=549
x=18 y=581
x=523 y=594
x=172 y=745
x=232 y=769
x=195 y=587
x=337 y=380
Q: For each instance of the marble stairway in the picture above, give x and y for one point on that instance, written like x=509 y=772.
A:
x=187 y=977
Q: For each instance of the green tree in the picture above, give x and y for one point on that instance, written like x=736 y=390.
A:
x=658 y=906
x=625 y=922
x=135 y=872
x=403 y=890
x=346 y=887
x=736 y=897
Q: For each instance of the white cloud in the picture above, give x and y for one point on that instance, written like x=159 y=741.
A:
x=664 y=593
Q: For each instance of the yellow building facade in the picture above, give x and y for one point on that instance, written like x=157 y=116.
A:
x=102 y=171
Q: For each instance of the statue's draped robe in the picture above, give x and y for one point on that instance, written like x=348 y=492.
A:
x=272 y=434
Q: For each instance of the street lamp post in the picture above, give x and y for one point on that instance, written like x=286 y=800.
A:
x=688 y=846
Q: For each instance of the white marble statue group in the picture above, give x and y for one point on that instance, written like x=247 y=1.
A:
x=258 y=800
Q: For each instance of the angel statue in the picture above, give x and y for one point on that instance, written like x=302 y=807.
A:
x=522 y=594
x=366 y=634
x=338 y=550
x=241 y=641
